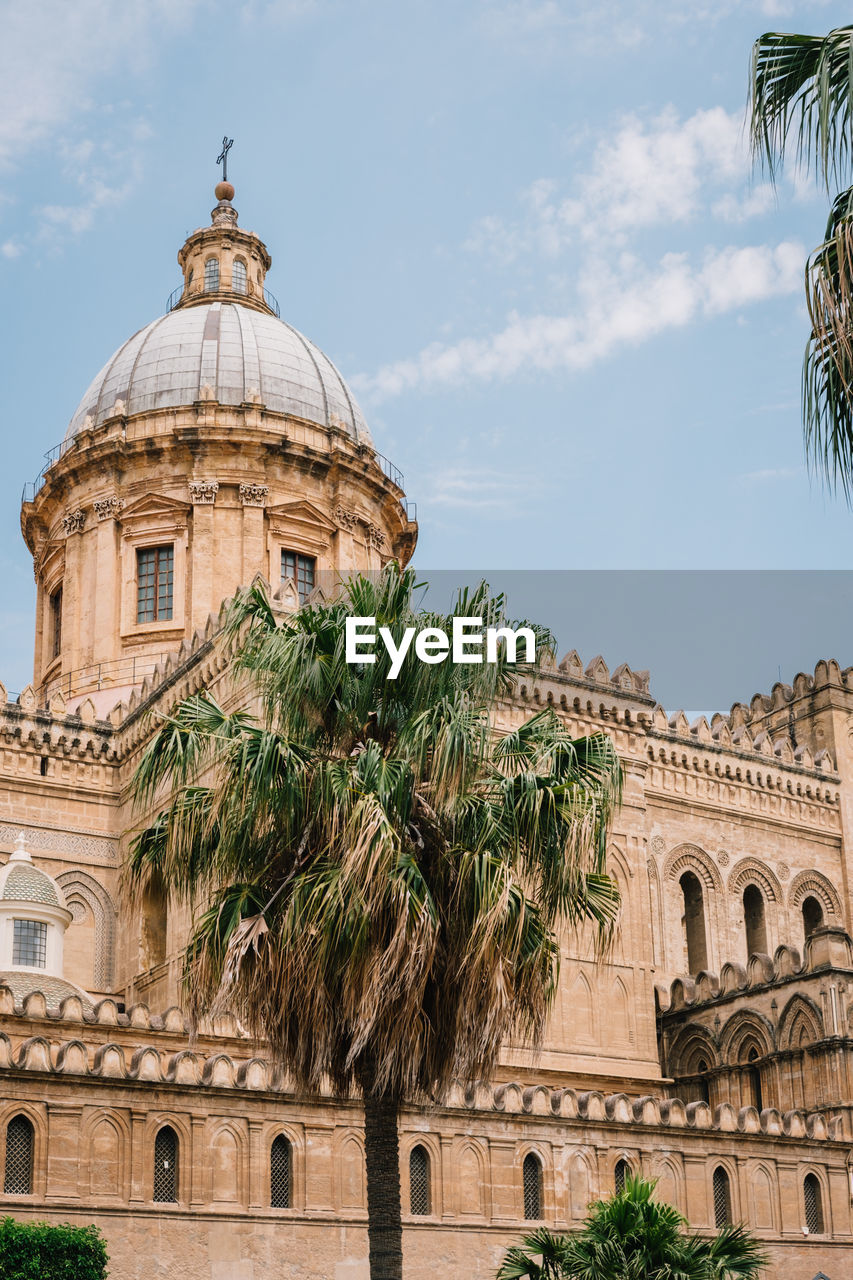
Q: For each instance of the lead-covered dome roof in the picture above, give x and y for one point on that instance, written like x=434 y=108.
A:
x=241 y=354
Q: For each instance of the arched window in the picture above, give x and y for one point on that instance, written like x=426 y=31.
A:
x=238 y=276
x=813 y=1203
x=694 y=923
x=20 y=1142
x=620 y=1174
x=420 y=1198
x=704 y=1091
x=754 y=922
x=531 y=1174
x=754 y=1079
x=211 y=275
x=722 y=1198
x=166 y=1166
x=281 y=1173
x=812 y=916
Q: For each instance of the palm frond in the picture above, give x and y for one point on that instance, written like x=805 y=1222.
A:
x=801 y=94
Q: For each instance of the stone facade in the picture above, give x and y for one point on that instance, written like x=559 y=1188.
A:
x=730 y=850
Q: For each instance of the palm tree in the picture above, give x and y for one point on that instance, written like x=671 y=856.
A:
x=382 y=873
x=802 y=95
x=632 y=1236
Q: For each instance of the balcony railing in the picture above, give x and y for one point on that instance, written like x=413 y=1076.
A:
x=118 y=673
x=177 y=295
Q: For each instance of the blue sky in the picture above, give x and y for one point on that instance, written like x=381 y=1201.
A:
x=527 y=231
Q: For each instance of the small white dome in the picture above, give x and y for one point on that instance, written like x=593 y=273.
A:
x=236 y=351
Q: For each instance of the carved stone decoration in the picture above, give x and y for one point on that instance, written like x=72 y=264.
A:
x=723 y=858
x=73 y=522
x=658 y=844
x=375 y=537
x=346 y=519
x=80 y=845
x=254 y=495
x=783 y=870
x=203 y=492
x=109 y=508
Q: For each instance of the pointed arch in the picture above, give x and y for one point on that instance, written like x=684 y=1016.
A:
x=227 y=1163
x=581 y=1002
x=351 y=1181
x=582 y=1183
x=801 y=1023
x=105 y=1137
x=745 y=1031
x=281 y=1172
x=813 y=884
x=533 y=1187
x=762 y=1186
x=471 y=1179
x=670 y=1181
x=81 y=888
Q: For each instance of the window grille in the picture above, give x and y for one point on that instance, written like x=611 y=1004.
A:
x=531 y=1173
x=813 y=1205
x=722 y=1199
x=20 y=1141
x=166 y=1166
x=420 y=1200
x=29 y=944
x=155 y=582
x=299 y=569
x=620 y=1173
x=211 y=275
x=56 y=623
x=238 y=277
x=281 y=1173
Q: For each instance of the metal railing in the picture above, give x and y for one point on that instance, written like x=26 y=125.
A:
x=387 y=466
x=32 y=487
x=176 y=296
x=115 y=673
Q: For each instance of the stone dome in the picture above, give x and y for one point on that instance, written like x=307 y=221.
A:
x=241 y=354
x=25 y=883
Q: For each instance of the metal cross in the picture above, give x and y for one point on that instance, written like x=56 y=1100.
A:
x=222 y=158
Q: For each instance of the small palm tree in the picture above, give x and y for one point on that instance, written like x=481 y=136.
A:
x=802 y=95
x=632 y=1236
x=381 y=872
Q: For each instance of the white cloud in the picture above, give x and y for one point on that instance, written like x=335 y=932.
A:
x=11 y=249
x=618 y=306
x=645 y=174
x=55 y=52
x=478 y=488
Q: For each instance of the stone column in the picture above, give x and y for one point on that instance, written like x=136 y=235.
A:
x=253 y=498
x=137 y=1156
x=201 y=556
x=198 y=1162
x=256 y=1165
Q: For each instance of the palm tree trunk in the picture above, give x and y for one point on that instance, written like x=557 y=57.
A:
x=382 y=1162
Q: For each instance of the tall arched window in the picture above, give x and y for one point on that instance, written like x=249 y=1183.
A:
x=281 y=1173
x=531 y=1174
x=211 y=275
x=722 y=1198
x=620 y=1174
x=420 y=1197
x=754 y=1079
x=754 y=922
x=166 y=1166
x=20 y=1143
x=238 y=276
x=812 y=916
x=694 y=923
x=813 y=1204
x=704 y=1091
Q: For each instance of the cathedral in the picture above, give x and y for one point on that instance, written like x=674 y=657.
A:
x=712 y=1050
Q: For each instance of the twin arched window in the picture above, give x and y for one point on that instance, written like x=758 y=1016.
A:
x=531 y=1176
x=813 y=1205
x=211 y=275
x=420 y=1190
x=20 y=1146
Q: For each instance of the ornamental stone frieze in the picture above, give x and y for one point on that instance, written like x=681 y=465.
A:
x=203 y=492
x=254 y=495
x=73 y=522
x=108 y=508
x=375 y=537
x=346 y=519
